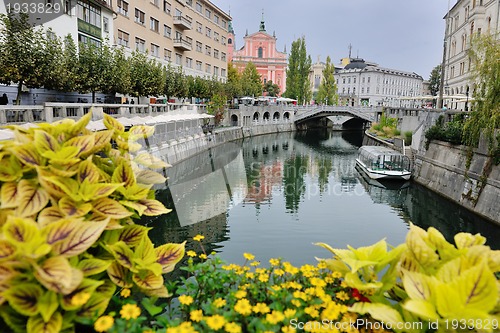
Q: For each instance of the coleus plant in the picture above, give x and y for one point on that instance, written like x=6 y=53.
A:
x=425 y=280
x=69 y=197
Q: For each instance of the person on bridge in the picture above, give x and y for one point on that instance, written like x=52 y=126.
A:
x=4 y=100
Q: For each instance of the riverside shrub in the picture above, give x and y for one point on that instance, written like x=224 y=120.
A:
x=67 y=234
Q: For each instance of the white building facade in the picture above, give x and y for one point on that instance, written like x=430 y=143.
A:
x=467 y=18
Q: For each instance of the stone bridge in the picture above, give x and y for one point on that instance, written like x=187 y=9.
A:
x=368 y=114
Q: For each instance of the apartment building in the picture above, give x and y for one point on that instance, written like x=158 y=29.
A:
x=187 y=33
x=464 y=20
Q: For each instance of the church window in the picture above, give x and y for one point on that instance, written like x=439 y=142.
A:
x=260 y=52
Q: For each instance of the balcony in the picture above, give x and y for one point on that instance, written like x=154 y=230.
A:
x=182 y=44
x=182 y=22
x=477 y=12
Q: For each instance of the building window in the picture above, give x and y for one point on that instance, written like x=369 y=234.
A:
x=216 y=36
x=208 y=68
x=354 y=80
x=368 y=90
x=189 y=3
x=362 y=90
x=208 y=13
x=189 y=62
x=216 y=19
x=216 y=54
x=208 y=32
x=343 y=80
x=259 y=52
x=167 y=31
x=89 y=13
x=167 y=7
x=216 y=70
x=229 y=41
x=178 y=59
x=140 y=44
x=224 y=24
x=178 y=13
x=199 y=27
x=167 y=54
x=105 y=24
x=223 y=72
x=123 y=38
x=223 y=56
x=199 y=7
x=368 y=79
x=198 y=65
x=154 y=24
x=199 y=45
x=223 y=40
x=122 y=7
x=155 y=50
x=208 y=50
x=155 y=2
x=139 y=16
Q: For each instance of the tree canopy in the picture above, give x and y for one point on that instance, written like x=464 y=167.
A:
x=299 y=65
x=327 y=92
x=250 y=81
x=435 y=80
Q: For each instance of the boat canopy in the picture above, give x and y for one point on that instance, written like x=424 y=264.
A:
x=383 y=158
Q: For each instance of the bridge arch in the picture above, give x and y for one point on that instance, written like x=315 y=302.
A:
x=256 y=116
x=266 y=115
x=286 y=115
x=276 y=116
x=234 y=120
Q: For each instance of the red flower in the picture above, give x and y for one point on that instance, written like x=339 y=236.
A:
x=357 y=295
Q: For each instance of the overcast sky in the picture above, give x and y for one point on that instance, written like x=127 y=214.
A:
x=397 y=34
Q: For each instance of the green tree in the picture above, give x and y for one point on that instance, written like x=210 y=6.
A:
x=216 y=107
x=94 y=68
x=327 y=91
x=435 y=80
x=271 y=88
x=26 y=54
x=485 y=118
x=250 y=81
x=147 y=76
x=299 y=65
x=121 y=81
x=69 y=68
x=175 y=83
x=233 y=85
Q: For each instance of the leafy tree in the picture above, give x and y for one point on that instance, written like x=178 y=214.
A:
x=175 y=83
x=216 y=107
x=271 y=88
x=147 y=76
x=250 y=81
x=327 y=91
x=299 y=65
x=435 y=80
x=94 y=68
x=233 y=85
x=121 y=81
x=485 y=118
x=69 y=68
x=26 y=54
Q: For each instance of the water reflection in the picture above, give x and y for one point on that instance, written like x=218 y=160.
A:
x=275 y=195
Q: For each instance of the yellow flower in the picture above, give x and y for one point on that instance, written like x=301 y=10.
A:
x=125 y=292
x=322 y=265
x=296 y=302
x=261 y=307
x=203 y=256
x=198 y=238
x=215 y=322
x=104 y=323
x=263 y=278
x=290 y=269
x=191 y=253
x=185 y=299
x=255 y=263
x=336 y=275
x=130 y=311
x=288 y=329
x=240 y=294
x=243 y=307
x=289 y=313
x=80 y=299
x=342 y=295
x=219 y=302
x=250 y=275
x=311 y=310
x=274 y=262
x=248 y=256
x=148 y=331
x=196 y=315
x=232 y=328
x=317 y=282
x=275 y=317
x=279 y=272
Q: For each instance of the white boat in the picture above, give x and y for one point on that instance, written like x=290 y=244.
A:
x=380 y=162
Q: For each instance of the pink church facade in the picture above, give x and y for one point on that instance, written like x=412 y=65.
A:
x=260 y=49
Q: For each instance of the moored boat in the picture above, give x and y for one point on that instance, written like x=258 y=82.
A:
x=380 y=162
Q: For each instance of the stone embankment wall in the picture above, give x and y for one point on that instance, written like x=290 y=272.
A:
x=180 y=149
x=442 y=168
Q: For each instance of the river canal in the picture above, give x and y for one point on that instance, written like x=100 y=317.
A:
x=276 y=195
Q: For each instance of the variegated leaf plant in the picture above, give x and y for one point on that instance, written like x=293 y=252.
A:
x=68 y=199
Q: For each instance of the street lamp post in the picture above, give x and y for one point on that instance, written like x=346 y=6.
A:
x=467 y=99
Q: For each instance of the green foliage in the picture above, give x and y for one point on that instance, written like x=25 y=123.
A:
x=386 y=127
x=299 y=65
x=408 y=136
x=250 y=81
x=28 y=55
x=94 y=68
x=147 y=75
x=426 y=279
x=327 y=92
x=271 y=88
x=68 y=199
x=69 y=67
x=485 y=117
x=216 y=107
x=435 y=80
x=451 y=131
